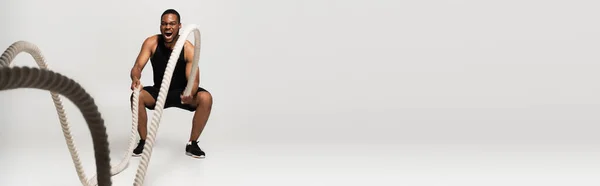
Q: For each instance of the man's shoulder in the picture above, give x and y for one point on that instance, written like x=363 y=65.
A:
x=188 y=44
x=151 y=41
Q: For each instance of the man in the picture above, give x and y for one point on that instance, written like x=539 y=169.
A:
x=157 y=49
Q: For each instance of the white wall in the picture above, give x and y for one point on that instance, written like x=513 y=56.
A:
x=329 y=71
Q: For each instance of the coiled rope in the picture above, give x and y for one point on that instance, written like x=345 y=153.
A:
x=26 y=77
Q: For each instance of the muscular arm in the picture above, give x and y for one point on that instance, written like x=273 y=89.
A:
x=189 y=59
x=142 y=59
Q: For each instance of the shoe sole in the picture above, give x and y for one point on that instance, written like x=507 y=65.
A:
x=194 y=156
x=136 y=155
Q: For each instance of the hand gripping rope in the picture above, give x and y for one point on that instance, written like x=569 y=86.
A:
x=56 y=83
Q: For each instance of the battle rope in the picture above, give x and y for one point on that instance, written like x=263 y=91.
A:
x=23 y=77
x=17 y=77
x=27 y=77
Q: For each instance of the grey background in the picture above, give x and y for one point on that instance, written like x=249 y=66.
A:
x=354 y=77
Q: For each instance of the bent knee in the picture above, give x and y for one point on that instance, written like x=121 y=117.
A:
x=144 y=98
x=204 y=98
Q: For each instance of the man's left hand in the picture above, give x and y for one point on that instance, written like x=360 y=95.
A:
x=187 y=99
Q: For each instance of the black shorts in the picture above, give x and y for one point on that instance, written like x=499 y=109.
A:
x=173 y=98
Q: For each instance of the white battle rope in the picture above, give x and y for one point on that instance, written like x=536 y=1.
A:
x=26 y=77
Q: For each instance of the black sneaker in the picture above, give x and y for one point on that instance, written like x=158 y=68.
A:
x=192 y=149
x=139 y=149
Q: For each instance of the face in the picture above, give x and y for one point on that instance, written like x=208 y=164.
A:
x=169 y=27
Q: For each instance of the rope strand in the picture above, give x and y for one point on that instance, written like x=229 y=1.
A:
x=6 y=61
x=27 y=77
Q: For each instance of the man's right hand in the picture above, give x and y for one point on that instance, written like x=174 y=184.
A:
x=135 y=83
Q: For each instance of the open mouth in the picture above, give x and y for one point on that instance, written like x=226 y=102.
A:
x=168 y=34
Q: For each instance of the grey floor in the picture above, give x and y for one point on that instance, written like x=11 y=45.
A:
x=255 y=164
x=33 y=152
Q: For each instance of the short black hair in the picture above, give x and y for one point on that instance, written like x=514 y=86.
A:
x=171 y=11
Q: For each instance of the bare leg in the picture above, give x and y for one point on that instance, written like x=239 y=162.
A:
x=145 y=99
x=201 y=115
